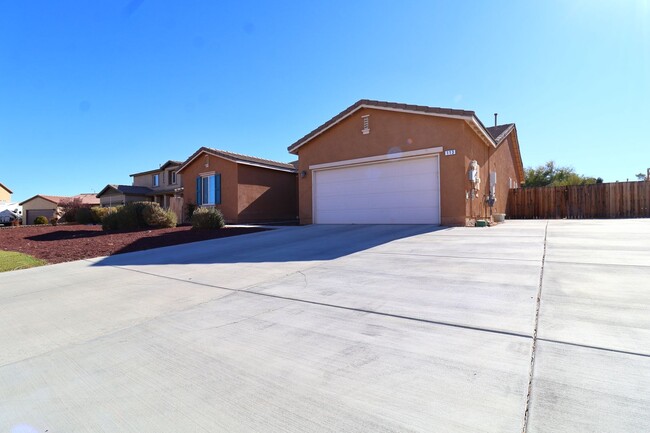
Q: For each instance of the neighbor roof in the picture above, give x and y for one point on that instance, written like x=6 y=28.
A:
x=56 y=199
x=126 y=190
x=7 y=189
x=240 y=159
x=468 y=116
x=161 y=168
x=86 y=198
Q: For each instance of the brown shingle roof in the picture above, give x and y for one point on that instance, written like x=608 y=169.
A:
x=450 y=112
x=237 y=157
x=126 y=190
x=500 y=132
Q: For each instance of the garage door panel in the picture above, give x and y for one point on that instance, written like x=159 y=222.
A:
x=32 y=214
x=393 y=192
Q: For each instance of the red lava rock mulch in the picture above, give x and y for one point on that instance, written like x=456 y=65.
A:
x=74 y=242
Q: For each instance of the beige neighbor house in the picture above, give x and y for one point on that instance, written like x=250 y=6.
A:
x=5 y=194
x=165 y=182
x=246 y=189
x=163 y=185
x=389 y=163
x=49 y=205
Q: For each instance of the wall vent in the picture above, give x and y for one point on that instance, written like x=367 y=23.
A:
x=366 y=124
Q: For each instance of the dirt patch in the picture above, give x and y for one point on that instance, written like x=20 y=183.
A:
x=74 y=242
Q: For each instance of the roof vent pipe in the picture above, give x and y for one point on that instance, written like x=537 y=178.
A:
x=495 y=118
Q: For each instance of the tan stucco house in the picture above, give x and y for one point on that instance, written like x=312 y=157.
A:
x=246 y=189
x=160 y=185
x=383 y=162
x=163 y=185
x=164 y=182
x=5 y=194
x=48 y=205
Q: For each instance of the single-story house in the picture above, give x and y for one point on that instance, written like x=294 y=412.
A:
x=246 y=189
x=118 y=195
x=5 y=194
x=49 y=205
x=389 y=163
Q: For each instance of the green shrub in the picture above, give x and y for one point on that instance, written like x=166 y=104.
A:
x=159 y=217
x=137 y=215
x=39 y=220
x=207 y=218
x=110 y=221
x=189 y=210
x=98 y=213
x=84 y=216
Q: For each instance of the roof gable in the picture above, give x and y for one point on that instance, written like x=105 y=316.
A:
x=126 y=190
x=239 y=159
x=56 y=199
x=163 y=167
x=467 y=116
x=500 y=133
x=6 y=189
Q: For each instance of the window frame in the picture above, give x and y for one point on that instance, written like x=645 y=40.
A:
x=155 y=180
x=208 y=189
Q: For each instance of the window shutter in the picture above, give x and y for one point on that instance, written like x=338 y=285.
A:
x=217 y=189
x=198 y=191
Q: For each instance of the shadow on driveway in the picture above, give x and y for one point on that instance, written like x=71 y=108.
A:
x=288 y=244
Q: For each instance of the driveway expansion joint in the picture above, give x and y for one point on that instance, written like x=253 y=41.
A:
x=531 y=370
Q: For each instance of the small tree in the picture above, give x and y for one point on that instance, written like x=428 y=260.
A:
x=641 y=176
x=550 y=174
x=70 y=209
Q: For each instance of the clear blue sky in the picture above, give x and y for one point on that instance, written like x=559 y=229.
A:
x=91 y=92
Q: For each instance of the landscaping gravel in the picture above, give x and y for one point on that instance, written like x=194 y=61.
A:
x=56 y=244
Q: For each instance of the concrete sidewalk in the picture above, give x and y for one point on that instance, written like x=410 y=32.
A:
x=338 y=329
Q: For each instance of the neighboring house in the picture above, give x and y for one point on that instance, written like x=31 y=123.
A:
x=246 y=189
x=159 y=185
x=163 y=182
x=163 y=185
x=5 y=194
x=389 y=163
x=49 y=205
x=118 y=195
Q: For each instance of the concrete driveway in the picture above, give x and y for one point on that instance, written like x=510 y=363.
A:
x=339 y=329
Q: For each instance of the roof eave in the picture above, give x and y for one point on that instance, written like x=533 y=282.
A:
x=472 y=121
x=227 y=158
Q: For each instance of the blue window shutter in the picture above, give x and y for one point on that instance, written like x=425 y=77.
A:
x=198 y=191
x=217 y=189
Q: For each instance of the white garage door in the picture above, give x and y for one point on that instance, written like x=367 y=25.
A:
x=391 y=192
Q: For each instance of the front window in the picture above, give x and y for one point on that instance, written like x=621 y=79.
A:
x=155 y=180
x=208 y=190
x=172 y=177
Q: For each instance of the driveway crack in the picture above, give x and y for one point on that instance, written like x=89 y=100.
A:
x=531 y=368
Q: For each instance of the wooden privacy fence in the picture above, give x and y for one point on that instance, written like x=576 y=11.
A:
x=605 y=200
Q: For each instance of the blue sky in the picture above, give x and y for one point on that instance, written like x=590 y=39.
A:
x=91 y=92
